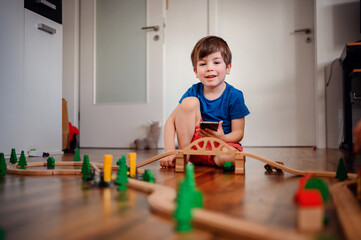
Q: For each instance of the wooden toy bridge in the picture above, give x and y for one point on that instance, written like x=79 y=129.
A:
x=217 y=147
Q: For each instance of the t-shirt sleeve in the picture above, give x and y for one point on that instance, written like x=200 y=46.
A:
x=238 y=108
x=191 y=92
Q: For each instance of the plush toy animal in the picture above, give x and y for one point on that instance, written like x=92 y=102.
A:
x=151 y=141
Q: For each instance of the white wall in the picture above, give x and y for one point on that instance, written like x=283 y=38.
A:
x=11 y=75
x=337 y=22
x=71 y=58
x=273 y=67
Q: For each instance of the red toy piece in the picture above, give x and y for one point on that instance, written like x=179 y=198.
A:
x=310 y=202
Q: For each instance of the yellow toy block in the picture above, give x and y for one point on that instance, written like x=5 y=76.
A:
x=132 y=164
x=107 y=167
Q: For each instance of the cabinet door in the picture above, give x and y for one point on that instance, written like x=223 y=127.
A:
x=42 y=83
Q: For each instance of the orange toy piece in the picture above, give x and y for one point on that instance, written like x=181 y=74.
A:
x=107 y=167
x=132 y=164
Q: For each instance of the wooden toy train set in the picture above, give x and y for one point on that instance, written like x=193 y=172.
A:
x=162 y=199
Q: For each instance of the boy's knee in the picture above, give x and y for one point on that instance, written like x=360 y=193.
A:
x=190 y=104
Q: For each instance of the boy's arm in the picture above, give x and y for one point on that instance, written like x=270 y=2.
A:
x=169 y=145
x=237 y=131
x=235 y=136
x=169 y=132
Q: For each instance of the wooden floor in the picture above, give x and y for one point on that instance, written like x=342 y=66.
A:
x=61 y=207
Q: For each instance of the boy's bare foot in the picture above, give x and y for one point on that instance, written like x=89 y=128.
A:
x=220 y=160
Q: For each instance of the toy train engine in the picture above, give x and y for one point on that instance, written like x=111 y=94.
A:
x=269 y=168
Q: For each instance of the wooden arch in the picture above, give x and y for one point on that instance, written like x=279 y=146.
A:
x=209 y=146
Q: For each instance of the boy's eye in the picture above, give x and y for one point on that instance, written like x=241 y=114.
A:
x=201 y=64
x=217 y=62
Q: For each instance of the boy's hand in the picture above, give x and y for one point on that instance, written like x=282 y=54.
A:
x=211 y=133
x=167 y=161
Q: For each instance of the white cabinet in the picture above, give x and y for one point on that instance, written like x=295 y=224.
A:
x=42 y=83
x=30 y=82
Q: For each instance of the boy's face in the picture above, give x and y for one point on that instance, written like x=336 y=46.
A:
x=211 y=70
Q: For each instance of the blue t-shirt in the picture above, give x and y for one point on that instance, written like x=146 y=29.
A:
x=230 y=105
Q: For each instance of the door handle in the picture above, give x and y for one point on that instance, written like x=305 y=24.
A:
x=151 y=28
x=47 y=3
x=305 y=30
x=46 y=28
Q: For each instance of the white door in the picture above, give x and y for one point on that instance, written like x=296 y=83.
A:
x=121 y=71
x=274 y=67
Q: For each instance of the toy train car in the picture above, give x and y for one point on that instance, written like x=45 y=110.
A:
x=269 y=168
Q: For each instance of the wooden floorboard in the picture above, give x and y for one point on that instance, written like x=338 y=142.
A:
x=62 y=207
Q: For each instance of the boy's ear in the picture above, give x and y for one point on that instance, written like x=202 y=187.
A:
x=195 y=71
x=228 y=69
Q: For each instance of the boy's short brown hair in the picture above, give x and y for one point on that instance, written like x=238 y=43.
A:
x=209 y=45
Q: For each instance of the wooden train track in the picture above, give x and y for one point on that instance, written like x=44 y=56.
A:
x=216 y=146
x=161 y=201
x=161 y=198
x=262 y=159
x=348 y=209
x=13 y=169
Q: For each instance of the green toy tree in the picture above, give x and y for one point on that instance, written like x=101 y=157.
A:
x=85 y=168
x=228 y=166
x=148 y=176
x=197 y=197
x=122 y=177
x=3 y=166
x=13 y=157
x=120 y=159
x=341 y=173
x=2 y=234
x=319 y=184
x=77 y=155
x=50 y=163
x=188 y=198
x=183 y=212
x=22 y=161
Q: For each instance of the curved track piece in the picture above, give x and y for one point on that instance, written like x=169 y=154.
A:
x=155 y=158
x=161 y=201
x=294 y=171
x=348 y=209
x=13 y=169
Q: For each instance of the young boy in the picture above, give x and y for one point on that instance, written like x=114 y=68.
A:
x=212 y=99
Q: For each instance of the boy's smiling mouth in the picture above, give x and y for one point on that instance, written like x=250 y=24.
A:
x=211 y=76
